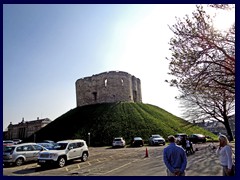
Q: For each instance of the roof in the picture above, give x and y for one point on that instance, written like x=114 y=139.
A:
x=71 y=140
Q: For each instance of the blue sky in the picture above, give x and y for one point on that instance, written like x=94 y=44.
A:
x=46 y=48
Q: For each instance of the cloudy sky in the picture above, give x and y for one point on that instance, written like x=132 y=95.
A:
x=46 y=48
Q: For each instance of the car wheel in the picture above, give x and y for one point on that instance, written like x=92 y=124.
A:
x=61 y=162
x=19 y=161
x=84 y=157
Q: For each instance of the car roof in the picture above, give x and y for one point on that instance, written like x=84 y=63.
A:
x=137 y=138
x=181 y=134
x=71 y=140
x=156 y=135
x=46 y=143
x=23 y=144
x=198 y=134
x=8 y=141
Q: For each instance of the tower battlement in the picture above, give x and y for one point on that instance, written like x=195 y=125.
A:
x=108 y=87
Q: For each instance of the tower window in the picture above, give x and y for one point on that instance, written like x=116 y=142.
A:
x=95 y=96
x=105 y=83
x=122 y=81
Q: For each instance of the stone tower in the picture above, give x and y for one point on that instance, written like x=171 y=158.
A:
x=108 y=87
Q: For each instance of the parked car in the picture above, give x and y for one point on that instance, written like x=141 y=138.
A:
x=17 y=141
x=197 y=138
x=137 y=141
x=156 y=139
x=179 y=138
x=21 y=153
x=118 y=142
x=7 y=142
x=49 y=141
x=64 y=151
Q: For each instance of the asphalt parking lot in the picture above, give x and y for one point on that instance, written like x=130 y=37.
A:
x=139 y=161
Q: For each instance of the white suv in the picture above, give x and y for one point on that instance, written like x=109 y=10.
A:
x=64 y=151
x=118 y=142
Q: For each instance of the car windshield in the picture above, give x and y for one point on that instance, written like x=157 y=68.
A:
x=60 y=146
x=47 y=145
x=8 y=149
x=199 y=135
x=117 y=139
x=156 y=136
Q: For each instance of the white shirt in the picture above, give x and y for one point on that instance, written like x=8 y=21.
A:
x=225 y=156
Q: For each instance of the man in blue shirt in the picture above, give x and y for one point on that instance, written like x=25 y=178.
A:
x=174 y=158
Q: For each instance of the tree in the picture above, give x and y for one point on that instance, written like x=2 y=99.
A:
x=203 y=64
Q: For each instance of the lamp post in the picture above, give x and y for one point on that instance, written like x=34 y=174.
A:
x=89 y=139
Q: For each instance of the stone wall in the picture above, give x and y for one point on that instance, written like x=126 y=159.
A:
x=25 y=129
x=112 y=86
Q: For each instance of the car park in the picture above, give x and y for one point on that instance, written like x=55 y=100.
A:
x=197 y=138
x=156 y=139
x=118 y=142
x=20 y=153
x=137 y=142
x=64 y=151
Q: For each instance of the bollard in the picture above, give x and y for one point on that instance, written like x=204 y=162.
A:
x=146 y=153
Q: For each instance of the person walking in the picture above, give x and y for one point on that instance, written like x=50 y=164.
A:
x=174 y=158
x=224 y=151
x=189 y=148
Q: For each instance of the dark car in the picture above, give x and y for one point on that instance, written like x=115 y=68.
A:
x=137 y=141
x=17 y=141
x=179 y=138
x=49 y=141
x=197 y=138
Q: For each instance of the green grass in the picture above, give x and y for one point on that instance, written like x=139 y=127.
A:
x=109 y=120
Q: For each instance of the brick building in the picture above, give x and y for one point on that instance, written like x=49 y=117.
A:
x=24 y=129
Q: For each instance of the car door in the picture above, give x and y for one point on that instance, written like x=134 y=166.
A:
x=35 y=152
x=25 y=151
x=79 y=149
x=72 y=151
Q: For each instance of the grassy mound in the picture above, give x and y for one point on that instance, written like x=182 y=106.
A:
x=109 y=120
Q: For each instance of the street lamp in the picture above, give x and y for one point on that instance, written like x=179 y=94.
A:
x=89 y=139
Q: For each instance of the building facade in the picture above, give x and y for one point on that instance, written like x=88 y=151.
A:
x=108 y=87
x=25 y=129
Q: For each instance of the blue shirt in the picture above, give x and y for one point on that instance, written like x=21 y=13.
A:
x=175 y=157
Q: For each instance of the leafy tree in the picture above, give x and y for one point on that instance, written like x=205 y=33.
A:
x=203 y=64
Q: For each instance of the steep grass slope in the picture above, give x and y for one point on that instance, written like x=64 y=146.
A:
x=105 y=121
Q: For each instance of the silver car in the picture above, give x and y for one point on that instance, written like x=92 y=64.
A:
x=156 y=139
x=20 y=153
